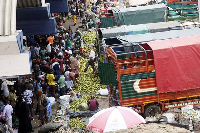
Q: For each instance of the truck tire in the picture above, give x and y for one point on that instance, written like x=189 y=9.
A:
x=152 y=110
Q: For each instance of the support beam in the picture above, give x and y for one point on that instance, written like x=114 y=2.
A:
x=7 y=17
x=199 y=9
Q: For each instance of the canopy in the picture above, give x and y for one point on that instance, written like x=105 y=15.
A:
x=177 y=63
x=138 y=29
x=160 y=35
x=12 y=65
x=138 y=2
x=114 y=118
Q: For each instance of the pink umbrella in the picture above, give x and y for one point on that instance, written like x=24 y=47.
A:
x=114 y=118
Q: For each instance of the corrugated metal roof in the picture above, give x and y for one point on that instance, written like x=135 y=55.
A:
x=29 y=3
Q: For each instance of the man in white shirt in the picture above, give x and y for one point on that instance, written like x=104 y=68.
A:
x=48 y=49
x=4 y=88
x=7 y=114
x=68 y=51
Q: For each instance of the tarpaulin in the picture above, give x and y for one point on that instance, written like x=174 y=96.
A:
x=139 y=29
x=177 y=63
x=140 y=14
x=138 y=2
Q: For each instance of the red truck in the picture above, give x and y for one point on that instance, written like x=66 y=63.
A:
x=157 y=75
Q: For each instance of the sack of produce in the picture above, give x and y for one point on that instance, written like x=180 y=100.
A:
x=83 y=107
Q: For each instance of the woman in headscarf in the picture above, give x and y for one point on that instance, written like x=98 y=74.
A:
x=22 y=112
x=75 y=64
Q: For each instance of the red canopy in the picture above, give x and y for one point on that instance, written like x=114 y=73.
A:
x=177 y=63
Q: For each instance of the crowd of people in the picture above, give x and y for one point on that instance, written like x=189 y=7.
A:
x=55 y=67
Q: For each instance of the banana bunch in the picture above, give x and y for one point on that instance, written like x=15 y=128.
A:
x=87 y=49
x=87 y=82
x=82 y=65
x=76 y=123
x=89 y=37
x=101 y=5
x=75 y=104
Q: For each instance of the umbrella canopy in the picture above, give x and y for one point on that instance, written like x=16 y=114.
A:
x=114 y=118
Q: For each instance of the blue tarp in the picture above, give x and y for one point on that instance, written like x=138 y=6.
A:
x=57 y=6
x=33 y=13
x=49 y=112
x=37 y=27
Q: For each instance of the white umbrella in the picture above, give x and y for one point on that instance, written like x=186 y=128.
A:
x=114 y=118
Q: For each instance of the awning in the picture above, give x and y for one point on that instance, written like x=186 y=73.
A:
x=177 y=63
x=138 y=2
x=12 y=65
x=160 y=35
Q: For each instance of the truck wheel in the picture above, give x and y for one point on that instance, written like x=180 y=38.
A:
x=152 y=110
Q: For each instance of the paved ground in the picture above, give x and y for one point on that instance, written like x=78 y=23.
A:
x=36 y=122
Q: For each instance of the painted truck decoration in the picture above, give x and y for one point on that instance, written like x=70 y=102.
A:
x=157 y=75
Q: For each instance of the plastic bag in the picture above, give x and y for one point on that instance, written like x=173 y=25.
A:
x=103 y=92
x=64 y=101
x=52 y=100
x=170 y=117
x=83 y=107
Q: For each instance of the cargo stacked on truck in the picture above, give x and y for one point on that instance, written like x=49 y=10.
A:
x=156 y=75
x=119 y=40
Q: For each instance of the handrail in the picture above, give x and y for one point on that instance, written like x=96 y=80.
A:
x=134 y=62
x=137 y=45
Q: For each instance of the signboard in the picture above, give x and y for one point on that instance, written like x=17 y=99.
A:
x=181 y=104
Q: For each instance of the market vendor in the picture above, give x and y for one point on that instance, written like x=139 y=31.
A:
x=75 y=64
x=28 y=96
x=115 y=99
x=4 y=88
x=93 y=104
x=7 y=115
x=43 y=109
x=70 y=78
x=90 y=61
x=61 y=83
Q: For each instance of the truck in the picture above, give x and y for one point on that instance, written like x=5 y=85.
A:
x=154 y=76
x=133 y=15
